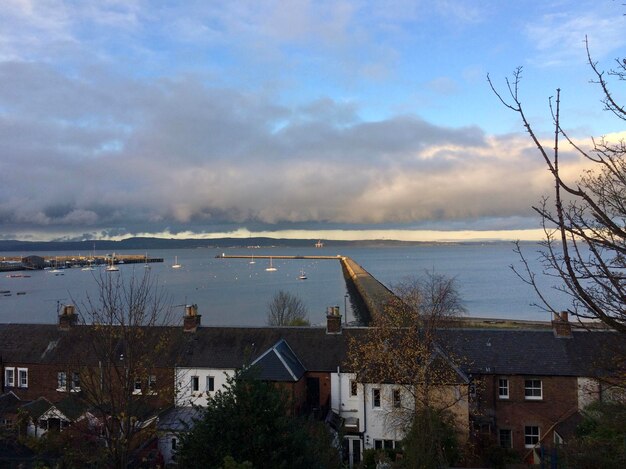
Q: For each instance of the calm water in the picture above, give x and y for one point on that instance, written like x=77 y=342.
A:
x=235 y=292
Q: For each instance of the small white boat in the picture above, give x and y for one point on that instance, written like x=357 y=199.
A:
x=252 y=260
x=302 y=275
x=112 y=267
x=176 y=264
x=56 y=269
x=271 y=268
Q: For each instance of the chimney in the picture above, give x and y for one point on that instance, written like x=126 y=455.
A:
x=561 y=326
x=333 y=320
x=191 y=321
x=67 y=318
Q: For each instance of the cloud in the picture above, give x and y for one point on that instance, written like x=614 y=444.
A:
x=180 y=152
x=559 y=37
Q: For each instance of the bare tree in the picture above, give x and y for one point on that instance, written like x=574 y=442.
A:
x=400 y=348
x=584 y=221
x=120 y=366
x=286 y=309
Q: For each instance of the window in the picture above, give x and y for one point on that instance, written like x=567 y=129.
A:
x=531 y=436
x=75 y=381
x=22 y=377
x=353 y=388
x=174 y=444
x=532 y=389
x=195 y=383
x=210 y=384
x=506 y=438
x=9 y=377
x=61 y=381
x=376 y=398
x=152 y=384
x=503 y=388
x=384 y=444
x=137 y=386
x=397 y=398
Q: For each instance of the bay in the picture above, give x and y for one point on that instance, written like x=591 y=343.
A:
x=234 y=292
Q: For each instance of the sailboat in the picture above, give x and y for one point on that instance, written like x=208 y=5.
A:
x=147 y=265
x=271 y=268
x=88 y=266
x=176 y=264
x=252 y=260
x=56 y=269
x=112 y=267
x=302 y=275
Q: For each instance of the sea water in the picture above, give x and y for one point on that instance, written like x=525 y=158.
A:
x=236 y=292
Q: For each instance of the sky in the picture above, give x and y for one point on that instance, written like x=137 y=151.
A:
x=315 y=119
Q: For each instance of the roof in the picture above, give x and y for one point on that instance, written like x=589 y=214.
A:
x=178 y=419
x=279 y=363
x=37 y=408
x=531 y=352
x=9 y=403
x=479 y=351
x=233 y=347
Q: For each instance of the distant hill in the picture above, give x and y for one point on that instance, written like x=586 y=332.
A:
x=162 y=243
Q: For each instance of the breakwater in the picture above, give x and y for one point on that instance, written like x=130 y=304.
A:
x=13 y=264
x=368 y=296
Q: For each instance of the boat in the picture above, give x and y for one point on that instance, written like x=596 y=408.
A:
x=147 y=265
x=112 y=267
x=252 y=260
x=319 y=244
x=88 y=266
x=176 y=264
x=56 y=269
x=302 y=275
x=271 y=268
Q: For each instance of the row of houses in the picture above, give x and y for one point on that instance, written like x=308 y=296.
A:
x=520 y=388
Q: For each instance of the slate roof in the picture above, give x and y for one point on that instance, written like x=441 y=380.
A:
x=480 y=351
x=532 y=352
x=232 y=347
x=9 y=403
x=279 y=364
x=38 y=407
x=178 y=419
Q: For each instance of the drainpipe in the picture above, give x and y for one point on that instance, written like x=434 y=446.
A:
x=339 y=390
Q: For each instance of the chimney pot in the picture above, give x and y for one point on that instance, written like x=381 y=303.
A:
x=191 y=321
x=333 y=320
x=561 y=326
x=67 y=318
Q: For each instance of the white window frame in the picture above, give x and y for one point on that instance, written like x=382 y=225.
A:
x=503 y=385
x=376 y=398
x=61 y=381
x=531 y=434
x=137 y=386
x=9 y=382
x=210 y=384
x=22 y=372
x=532 y=388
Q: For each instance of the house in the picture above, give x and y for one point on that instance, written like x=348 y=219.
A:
x=521 y=388
x=529 y=383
